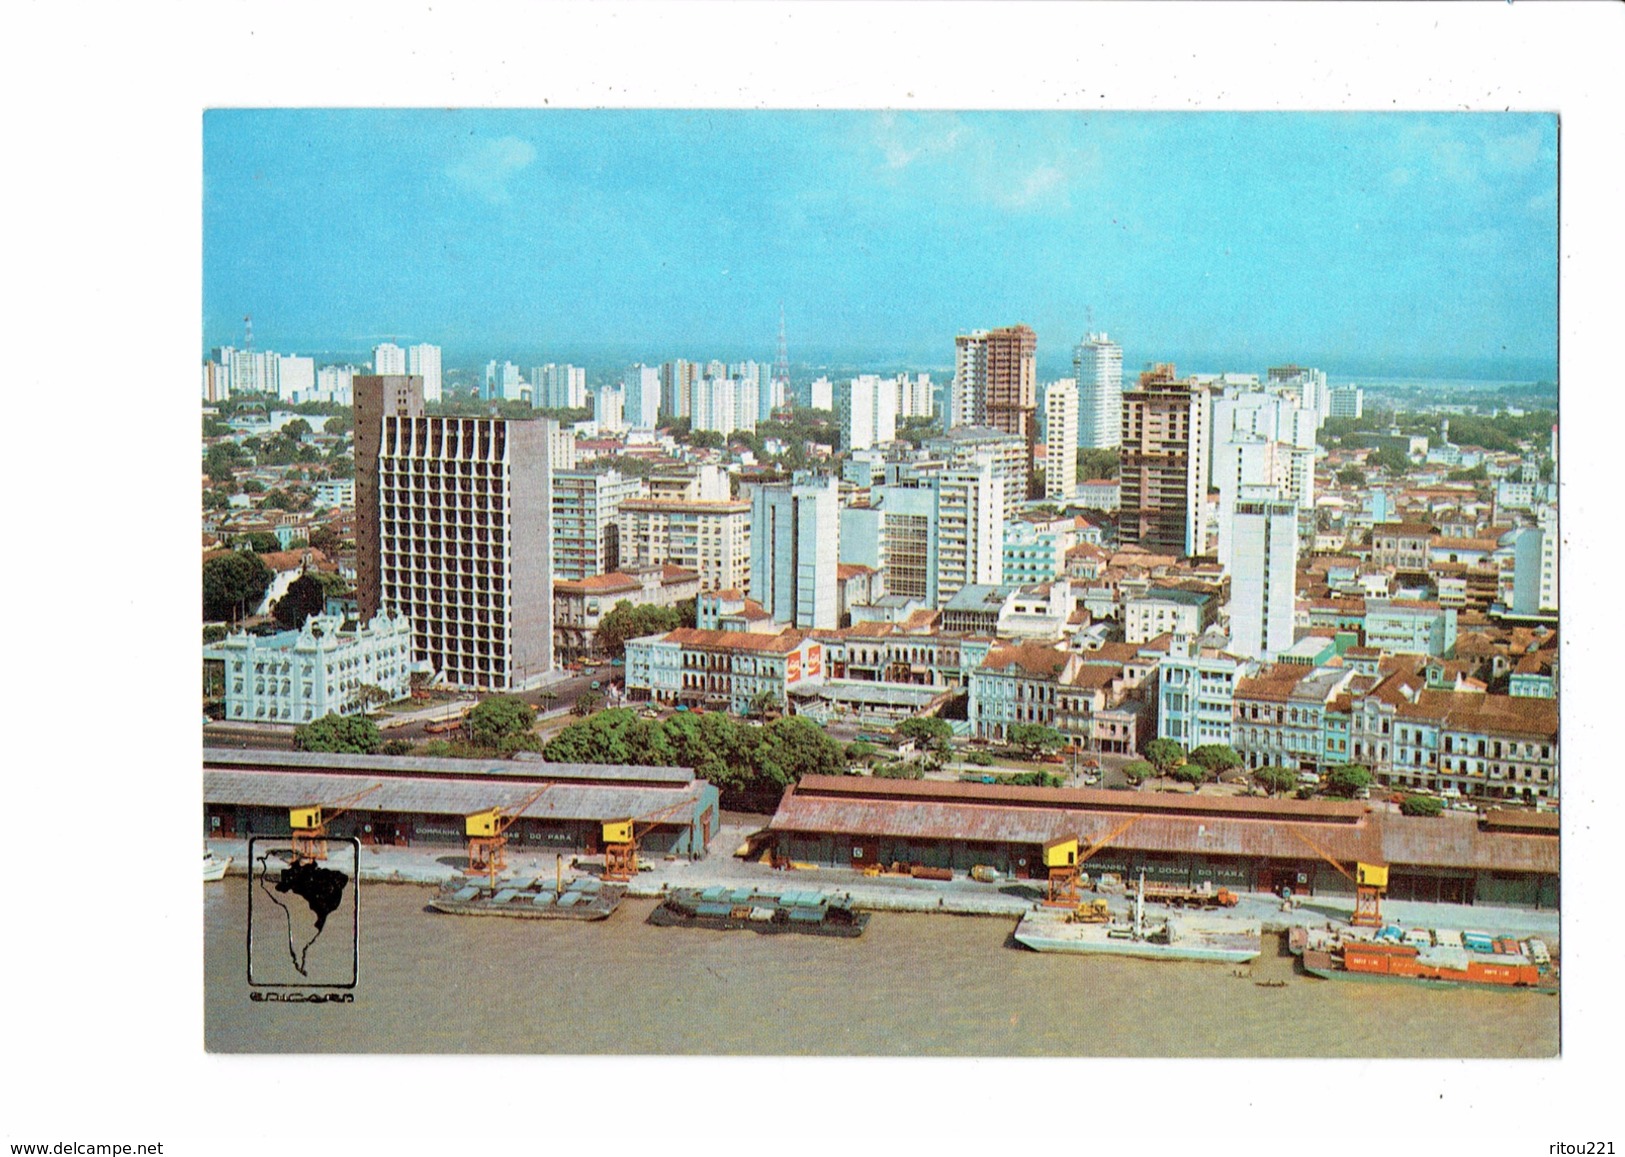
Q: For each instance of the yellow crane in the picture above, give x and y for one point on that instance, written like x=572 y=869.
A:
x=1063 y=859
x=309 y=823
x=487 y=835
x=1370 y=882
x=621 y=841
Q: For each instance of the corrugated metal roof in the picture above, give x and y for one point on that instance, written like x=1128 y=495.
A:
x=1379 y=838
x=440 y=796
x=526 y=766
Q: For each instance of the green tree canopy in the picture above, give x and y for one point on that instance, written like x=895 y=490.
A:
x=338 y=424
x=1164 y=754
x=1276 y=780
x=501 y=721
x=1391 y=458
x=927 y=731
x=763 y=704
x=233 y=585
x=346 y=734
x=1036 y=737
x=1191 y=773
x=633 y=622
x=1215 y=758
x=303 y=598
x=1097 y=464
x=1351 y=476
x=1347 y=779
x=1138 y=771
x=298 y=429
x=1420 y=805
x=325 y=539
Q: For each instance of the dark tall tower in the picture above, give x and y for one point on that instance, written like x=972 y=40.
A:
x=376 y=397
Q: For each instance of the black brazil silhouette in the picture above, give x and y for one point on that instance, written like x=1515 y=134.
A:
x=321 y=888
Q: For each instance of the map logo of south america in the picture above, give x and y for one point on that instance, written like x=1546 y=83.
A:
x=303 y=915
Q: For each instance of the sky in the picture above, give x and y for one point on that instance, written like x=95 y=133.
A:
x=1397 y=240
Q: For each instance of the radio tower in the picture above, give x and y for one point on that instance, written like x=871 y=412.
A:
x=781 y=368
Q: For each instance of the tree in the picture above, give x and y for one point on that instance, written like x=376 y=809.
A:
x=325 y=539
x=1420 y=805
x=346 y=734
x=253 y=486
x=259 y=541
x=1138 y=771
x=396 y=747
x=1351 y=476
x=1276 y=780
x=928 y=731
x=1097 y=464
x=297 y=429
x=369 y=695
x=586 y=703
x=303 y=598
x=1391 y=458
x=763 y=704
x=213 y=633
x=1164 y=754
x=1192 y=773
x=1347 y=780
x=233 y=585
x=1036 y=738
x=632 y=622
x=1215 y=758
x=499 y=718
x=860 y=752
x=336 y=425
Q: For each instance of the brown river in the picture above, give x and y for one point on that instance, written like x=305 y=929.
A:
x=912 y=985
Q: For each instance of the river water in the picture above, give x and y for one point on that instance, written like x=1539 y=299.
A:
x=912 y=985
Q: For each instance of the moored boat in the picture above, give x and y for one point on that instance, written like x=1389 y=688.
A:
x=1212 y=938
x=1440 y=958
x=584 y=898
x=214 y=867
x=731 y=909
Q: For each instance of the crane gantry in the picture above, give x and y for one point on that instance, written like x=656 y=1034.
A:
x=310 y=821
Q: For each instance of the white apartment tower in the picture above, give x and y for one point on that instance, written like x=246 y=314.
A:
x=390 y=358
x=795 y=550
x=866 y=411
x=640 y=385
x=556 y=387
x=423 y=360
x=609 y=408
x=1097 y=364
x=1061 y=440
x=1264 y=573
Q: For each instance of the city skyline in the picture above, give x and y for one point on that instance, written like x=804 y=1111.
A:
x=887 y=234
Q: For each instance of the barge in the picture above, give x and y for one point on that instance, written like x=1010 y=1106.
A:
x=584 y=898
x=1436 y=958
x=732 y=909
x=1086 y=932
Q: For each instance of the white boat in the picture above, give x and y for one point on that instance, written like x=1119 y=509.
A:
x=1214 y=938
x=214 y=867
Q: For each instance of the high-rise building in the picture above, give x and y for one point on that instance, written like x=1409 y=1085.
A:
x=1163 y=471
x=452 y=531
x=795 y=550
x=504 y=382
x=609 y=409
x=1061 y=440
x=556 y=387
x=724 y=405
x=677 y=388
x=934 y=532
x=916 y=396
x=423 y=360
x=965 y=446
x=866 y=411
x=640 y=385
x=295 y=378
x=1347 y=402
x=389 y=360
x=1308 y=384
x=708 y=536
x=1263 y=573
x=586 y=521
x=821 y=394
x=1097 y=363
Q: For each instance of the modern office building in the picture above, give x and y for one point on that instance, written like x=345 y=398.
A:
x=452 y=531
x=640 y=386
x=1347 y=402
x=1263 y=573
x=1163 y=471
x=966 y=446
x=795 y=534
x=559 y=387
x=1061 y=440
x=586 y=521
x=609 y=409
x=677 y=387
x=423 y=360
x=996 y=384
x=1097 y=364
x=934 y=532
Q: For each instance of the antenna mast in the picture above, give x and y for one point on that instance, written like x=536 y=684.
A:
x=781 y=368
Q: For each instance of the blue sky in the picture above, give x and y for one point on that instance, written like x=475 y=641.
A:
x=1229 y=238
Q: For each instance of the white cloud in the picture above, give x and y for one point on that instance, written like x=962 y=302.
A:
x=486 y=170
x=1037 y=185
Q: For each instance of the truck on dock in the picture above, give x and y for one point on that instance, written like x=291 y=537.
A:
x=1203 y=895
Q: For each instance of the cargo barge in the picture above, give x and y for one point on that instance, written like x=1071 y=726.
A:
x=584 y=898
x=1441 y=959
x=1090 y=931
x=731 y=909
